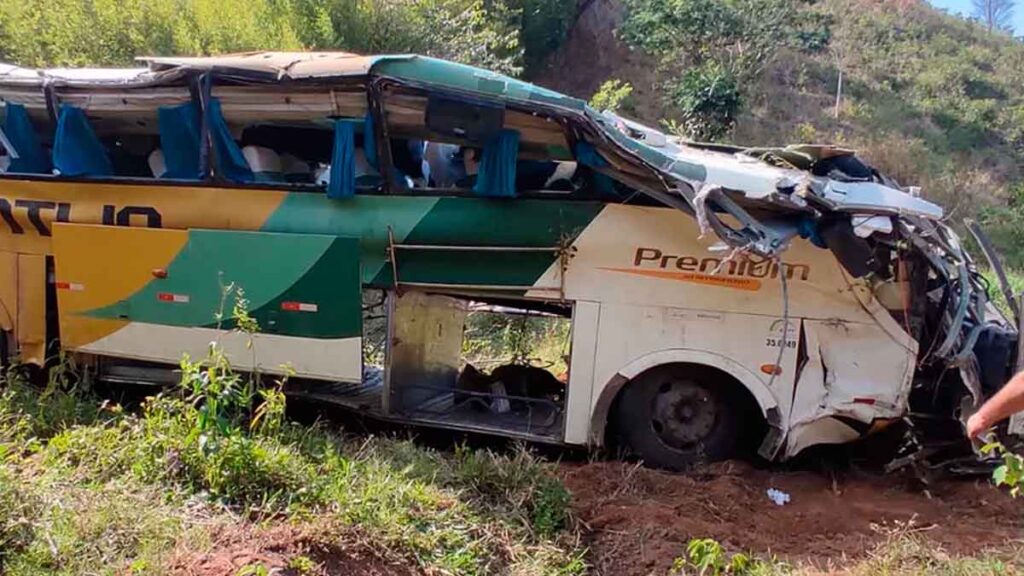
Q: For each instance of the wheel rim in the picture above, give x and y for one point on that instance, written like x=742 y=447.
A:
x=683 y=413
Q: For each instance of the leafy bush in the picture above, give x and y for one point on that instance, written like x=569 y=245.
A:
x=544 y=26
x=707 y=557
x=611 y=95
x=1005 y=226
x=29 y=416
x=708 y=50
x=708 y=100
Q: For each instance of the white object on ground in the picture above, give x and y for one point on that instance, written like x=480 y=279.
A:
x=779 y=497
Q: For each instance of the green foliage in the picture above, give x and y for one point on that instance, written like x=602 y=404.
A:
x=544 y=26
x=707 y=557
x=906 y=550
x=17 y=509
x=301 y=564
x=1011 y=472
x=611 y=95
x=502 y=35
x=493 y=338
x=86 y=490
x=708 y=100
x=29 y=416
x=1005 y=226
x=739 y=35
x=257 y=569
x=707 y=51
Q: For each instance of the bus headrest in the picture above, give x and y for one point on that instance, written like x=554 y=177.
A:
x=157 y=163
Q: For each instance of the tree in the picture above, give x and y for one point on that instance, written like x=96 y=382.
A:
x=994 y=14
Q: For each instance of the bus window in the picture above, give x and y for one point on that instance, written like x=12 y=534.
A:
x=457 y=134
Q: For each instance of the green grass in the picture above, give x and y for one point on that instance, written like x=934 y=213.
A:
x=903 y=552
x=89 y=489
x=1016 y=280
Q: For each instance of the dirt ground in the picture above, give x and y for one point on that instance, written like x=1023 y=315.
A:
x=635 y=521
x=237 y=548
x=638 y=520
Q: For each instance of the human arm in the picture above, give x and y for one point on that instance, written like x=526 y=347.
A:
x=1008 y=401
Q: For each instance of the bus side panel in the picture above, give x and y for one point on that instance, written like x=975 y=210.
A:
x=154 y=294
x=23 y=303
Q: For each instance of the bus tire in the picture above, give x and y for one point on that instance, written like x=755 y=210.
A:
x=676 y=416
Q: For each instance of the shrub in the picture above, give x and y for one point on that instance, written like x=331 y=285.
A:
x=707 y=557
x=708 y=100
x=611 y=95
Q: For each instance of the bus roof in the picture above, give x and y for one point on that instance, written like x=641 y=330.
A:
x=783 y=178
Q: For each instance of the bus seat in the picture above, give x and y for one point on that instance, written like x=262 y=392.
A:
x=497 y=176
x=22 y=136
x=180 y=142
x=322 y=175
x=5 y=163
x=77 y=151
x=265 y=163
x=366 y=174
x=562 y=178
x=157 y=163
x=443 y=165
x=295 y=169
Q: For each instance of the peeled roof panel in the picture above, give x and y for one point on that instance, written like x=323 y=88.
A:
x=295 y=65
x=85 y=77
x=469 y=78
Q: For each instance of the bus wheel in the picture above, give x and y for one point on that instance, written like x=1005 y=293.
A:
x=675 y=416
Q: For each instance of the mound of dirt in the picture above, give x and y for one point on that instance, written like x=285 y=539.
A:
x=638 y=520
x=234 y=547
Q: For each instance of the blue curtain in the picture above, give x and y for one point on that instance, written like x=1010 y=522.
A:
x=18 y=128
x=180 y=140
x=497 y=175
x=588 y=156
x=230 y=163
x=343 y=160
x=77 y=151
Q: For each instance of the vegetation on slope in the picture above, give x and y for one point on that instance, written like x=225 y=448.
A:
x=931 y=99
x=88 y=488
x=505 y=35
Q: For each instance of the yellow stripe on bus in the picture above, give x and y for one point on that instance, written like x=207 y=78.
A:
x=109 y=264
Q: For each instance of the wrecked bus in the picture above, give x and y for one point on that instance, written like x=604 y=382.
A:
x=720 y=298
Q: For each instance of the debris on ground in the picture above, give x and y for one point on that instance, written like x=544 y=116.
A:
x=637 y=520
x=779 y=497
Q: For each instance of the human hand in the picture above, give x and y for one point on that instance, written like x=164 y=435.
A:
x=976 y=426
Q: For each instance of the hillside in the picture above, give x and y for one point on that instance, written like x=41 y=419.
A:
x=929 y=98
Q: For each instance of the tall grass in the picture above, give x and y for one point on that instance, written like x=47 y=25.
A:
x=89 y=488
